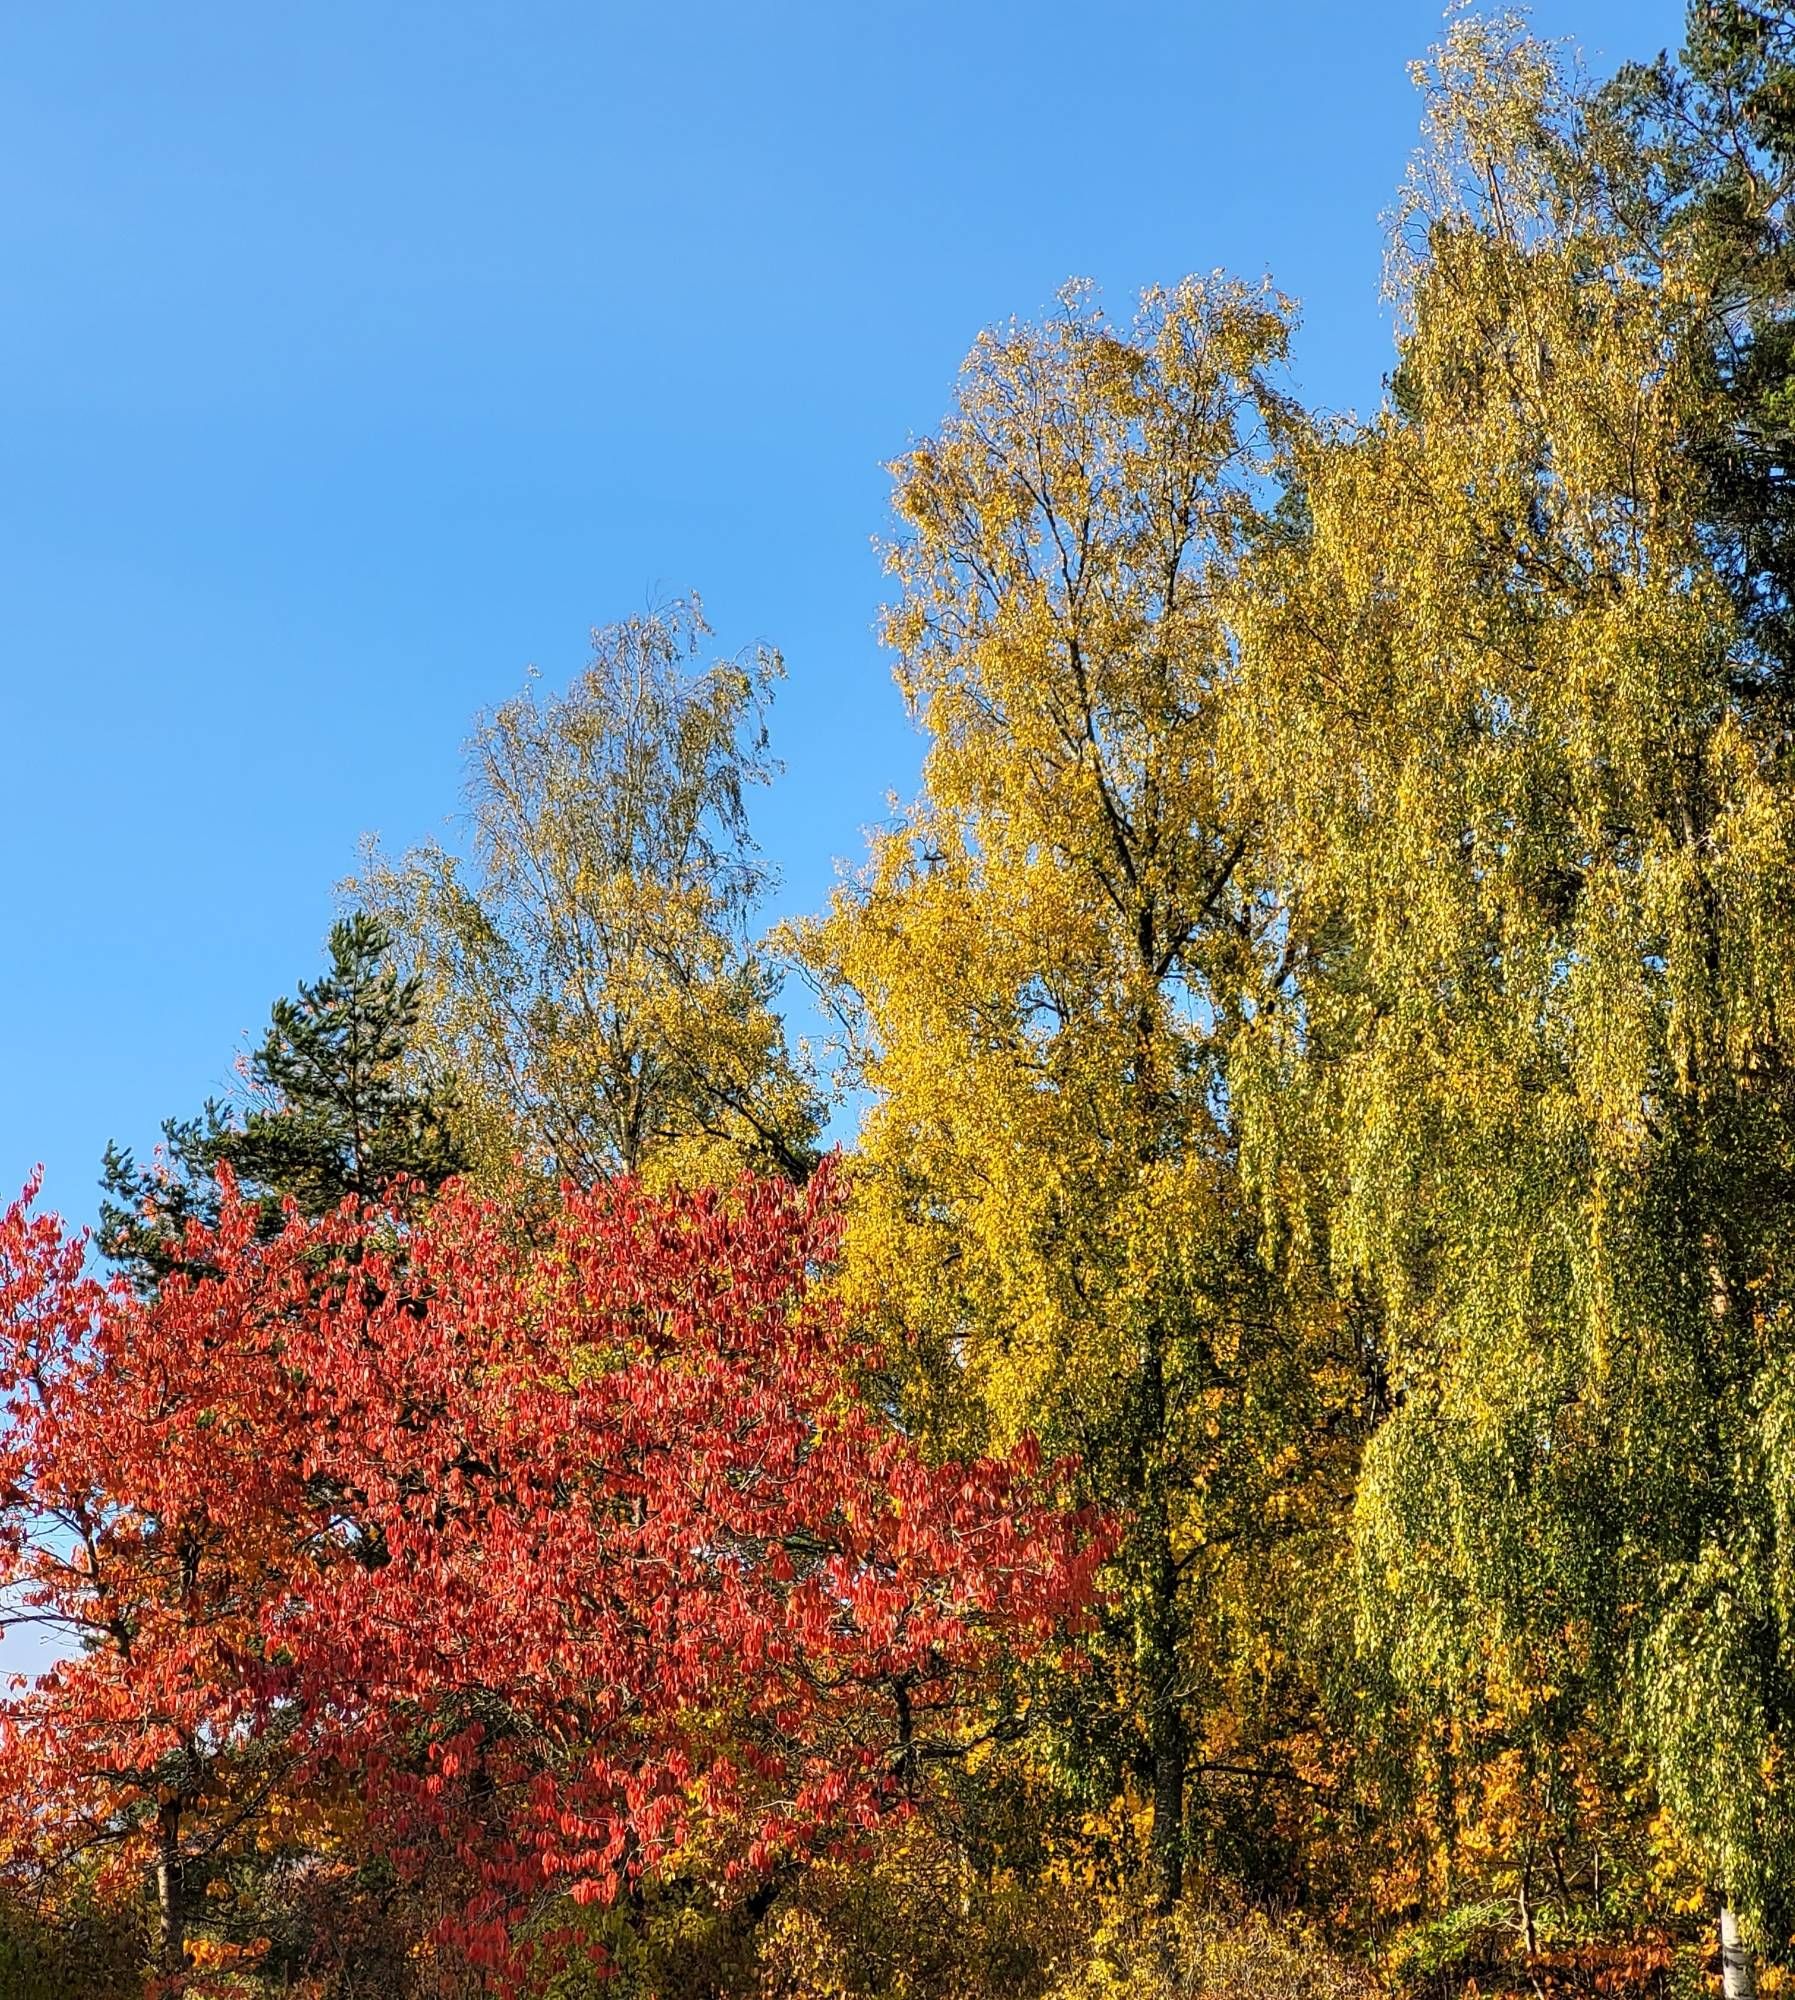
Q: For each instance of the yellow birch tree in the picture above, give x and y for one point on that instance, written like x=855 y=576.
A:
x=1043 y=971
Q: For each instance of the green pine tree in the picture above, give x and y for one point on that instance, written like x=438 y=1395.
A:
x=1692 y=161
x=334 y=1113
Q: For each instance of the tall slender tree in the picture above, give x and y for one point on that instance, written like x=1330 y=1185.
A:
x=1497 y=702
x=1045 y=972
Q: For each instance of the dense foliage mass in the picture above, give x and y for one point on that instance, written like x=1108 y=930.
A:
x=562 y=1553
x=1268 y=1467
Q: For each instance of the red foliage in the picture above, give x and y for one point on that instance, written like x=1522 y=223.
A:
x=567 y=1547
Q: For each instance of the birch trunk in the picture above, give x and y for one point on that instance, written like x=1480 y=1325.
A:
x=1738 y=1976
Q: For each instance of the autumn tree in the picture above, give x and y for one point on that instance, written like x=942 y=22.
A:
x=1044 y=973
x=153 y=1508
x=561 y=1555
x=1502 y=712
x=593 y=986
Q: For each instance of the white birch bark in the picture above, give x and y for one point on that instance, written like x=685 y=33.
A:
x=1738 y=1976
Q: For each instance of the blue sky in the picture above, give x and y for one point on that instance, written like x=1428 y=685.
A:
x=356 y=357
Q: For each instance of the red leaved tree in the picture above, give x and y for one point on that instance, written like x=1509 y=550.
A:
x=565 y=1546
x=151 y=1511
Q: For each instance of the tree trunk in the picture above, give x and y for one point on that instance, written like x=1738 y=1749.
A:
x=1159 y=1632
x=1169 y=1761
x=171 y=1900
x=1168 y=1744
x=1738 y=1976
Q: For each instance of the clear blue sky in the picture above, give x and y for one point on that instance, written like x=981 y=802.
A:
x=356 y=356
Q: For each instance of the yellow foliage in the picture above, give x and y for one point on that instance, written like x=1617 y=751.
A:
x=1053 y=960
x=592 y=989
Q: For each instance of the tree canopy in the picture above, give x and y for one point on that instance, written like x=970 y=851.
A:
x=1266 y=1465
x=592 y=985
